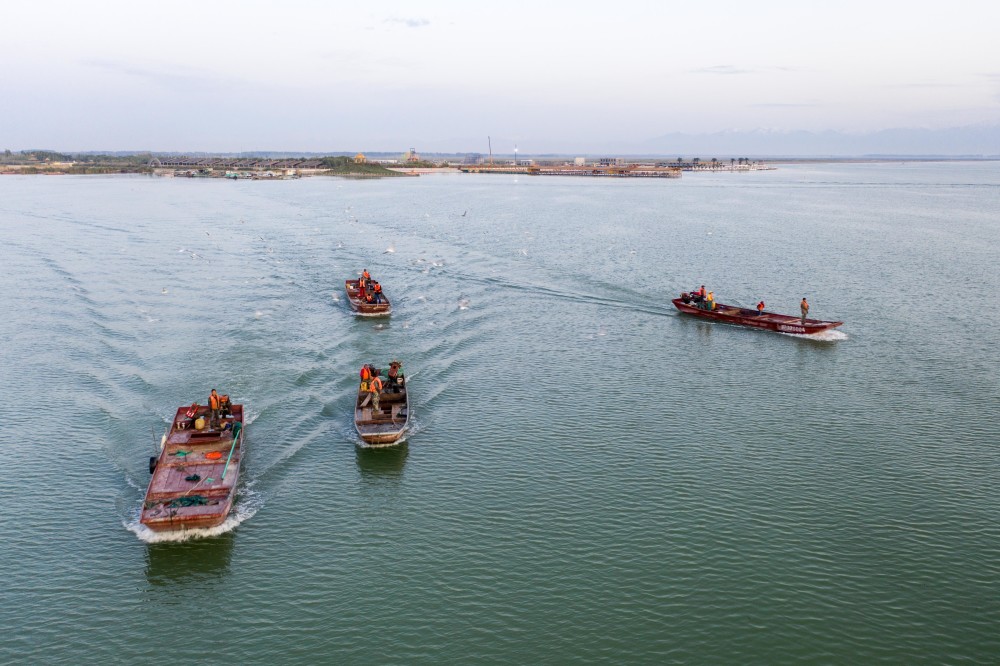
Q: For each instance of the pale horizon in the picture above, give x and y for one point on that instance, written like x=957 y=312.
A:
x=580 y=77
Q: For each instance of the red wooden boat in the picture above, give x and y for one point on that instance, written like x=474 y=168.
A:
x=194 y=478
x=363 y=307
x=387 y=424
x=772 y=321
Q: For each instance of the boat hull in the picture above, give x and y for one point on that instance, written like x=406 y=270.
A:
x=361 y=306
x=770 y=321
x=193 y=484
x=389 y=424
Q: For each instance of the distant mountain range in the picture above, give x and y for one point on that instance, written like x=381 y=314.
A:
x=974 y=141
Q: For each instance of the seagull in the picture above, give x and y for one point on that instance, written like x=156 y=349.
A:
x=463 y=214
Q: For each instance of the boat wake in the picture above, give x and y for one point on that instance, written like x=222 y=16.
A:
x=822 y=336
x=245 y=508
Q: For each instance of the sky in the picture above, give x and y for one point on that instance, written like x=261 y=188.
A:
x=442 y=75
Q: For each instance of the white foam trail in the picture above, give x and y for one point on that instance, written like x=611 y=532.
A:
x=247 y=506
x=362 y=444
x=828 y=336
x=822 y=336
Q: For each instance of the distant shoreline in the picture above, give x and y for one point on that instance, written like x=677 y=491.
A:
x=56 y=168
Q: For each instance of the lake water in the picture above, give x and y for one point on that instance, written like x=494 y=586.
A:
x=591 y=477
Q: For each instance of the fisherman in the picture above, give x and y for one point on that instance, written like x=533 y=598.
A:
x=361 y=285
x=366 y=375
x=699 y=295
x=395 y=376
x=214 y=404
x=377 y=291
x=366 y=275
x=710 y=301
x=375 y=388
x=760 y=308
x=225 y=405
x=804 y=306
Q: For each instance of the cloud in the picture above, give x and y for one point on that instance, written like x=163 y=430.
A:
x=175 y=78
x=784 y=105
x=926 y=85
x=409 y=22
x=722 y=69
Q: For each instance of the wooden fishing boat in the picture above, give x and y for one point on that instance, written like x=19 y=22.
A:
x=361 y=306
x=387 y=424
x=194 y=477
x=772 y=321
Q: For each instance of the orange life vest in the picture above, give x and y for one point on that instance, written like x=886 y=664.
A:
x=366 y=275
x=213 y=401
x=365 y=372
x=375 y=386
x=378 y=288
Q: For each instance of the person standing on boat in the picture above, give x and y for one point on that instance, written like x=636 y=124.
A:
x=804 y=306
x=377 y=292
x=366 y=275
x=214 y=404
x=710 y=301
x=760 y=308
x=395 y=376
x=375 y=388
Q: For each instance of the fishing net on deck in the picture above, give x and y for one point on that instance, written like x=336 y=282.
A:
x=190 y=500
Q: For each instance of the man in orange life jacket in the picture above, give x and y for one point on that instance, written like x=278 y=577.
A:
x=760 y=308
x=214 y=403
x=366 y=375
x=377 y=291
x=366 y=275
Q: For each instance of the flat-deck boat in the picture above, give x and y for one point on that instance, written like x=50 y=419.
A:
x=362 y=306
x=194 y=477
x=772 y=321
x=387 y=424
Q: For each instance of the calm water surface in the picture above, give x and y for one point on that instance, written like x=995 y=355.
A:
x=590 y=477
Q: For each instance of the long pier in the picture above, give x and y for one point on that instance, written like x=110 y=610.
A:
x=627 y=171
